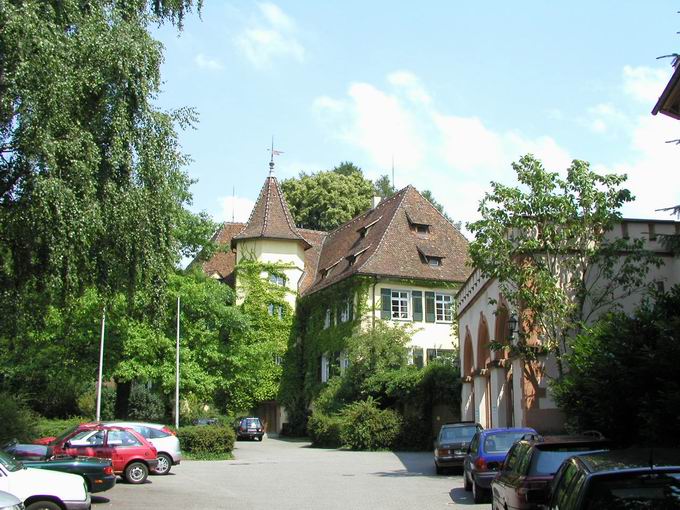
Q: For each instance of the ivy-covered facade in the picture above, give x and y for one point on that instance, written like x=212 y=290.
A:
x=400 y=262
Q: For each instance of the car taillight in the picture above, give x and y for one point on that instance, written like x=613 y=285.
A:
x=169 y=431
x=442 y=452
x=480 y=464
x=243 y=428
x=108 y=470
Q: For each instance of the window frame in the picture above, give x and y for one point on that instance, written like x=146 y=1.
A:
x=438 y=303
x=402 y=300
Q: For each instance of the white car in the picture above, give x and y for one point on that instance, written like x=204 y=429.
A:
x=10 y=502
x=41 y=489
x=159 y=435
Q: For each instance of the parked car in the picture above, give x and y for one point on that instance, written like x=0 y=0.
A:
x=97 y=473
x=132 y=456
x=10 y=502
x=452 y=443
x=617 y=480
x=250 y=428
x=485 y=455
x=41 y=489
x=524 y=479
x=201 y=422
x=162 y=437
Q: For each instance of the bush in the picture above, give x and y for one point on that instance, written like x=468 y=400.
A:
x=211 y=439
x=52 y=427
x=18 y=421
x=87 y=403
x=415 y=434
x=324 y=430
x=145 y=405
x=368 y=428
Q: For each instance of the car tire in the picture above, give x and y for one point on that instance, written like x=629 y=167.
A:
x=43 y=505
x=466 y=482
x=136 y=472
x=164 y=464
x=478 y=494
x=438 y=469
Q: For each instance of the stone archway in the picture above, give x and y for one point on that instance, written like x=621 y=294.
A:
x=500 y=373
x=482 y=388
x=468 y=390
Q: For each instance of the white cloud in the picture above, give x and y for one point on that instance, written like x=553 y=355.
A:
x=205 y=62
x=645 y=84
x=238 y=208
x=271 y=36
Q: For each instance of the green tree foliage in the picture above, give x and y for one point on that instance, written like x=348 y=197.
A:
x=544 y=241
x=367 y=427
x=630 y=357
x=327 y=199
x=384 y=187
x=91 y=182
x=18 y=421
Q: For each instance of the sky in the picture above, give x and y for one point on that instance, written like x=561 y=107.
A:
x=453 y=92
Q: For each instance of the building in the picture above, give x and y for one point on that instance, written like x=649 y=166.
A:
x=669 y=101
x=502 y=392
x=401 y=261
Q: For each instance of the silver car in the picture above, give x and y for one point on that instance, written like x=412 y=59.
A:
x=10 y=502
x=159 y=435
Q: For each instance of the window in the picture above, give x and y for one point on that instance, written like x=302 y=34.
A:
x=400 y=299
x=327 y=319
x=442 y=304
x=278 y=359
x=277 y=279
x=344 y=362
x=433 y=354
x=422 y=229
x=122 y=438
x=346 y=310
x=275 y=310
x=434 y=261
x=418 y=357
x=325 y=368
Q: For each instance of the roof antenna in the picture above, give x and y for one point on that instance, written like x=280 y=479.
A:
x=233 y=199
x=394 y=186
x=273 y=153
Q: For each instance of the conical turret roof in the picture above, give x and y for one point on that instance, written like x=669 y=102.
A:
x=270 y=218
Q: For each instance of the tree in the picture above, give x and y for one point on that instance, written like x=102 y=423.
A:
x=632 y=356
x=545 y=242
x=384 y=187
x=326 y=200
x=347 y=168
x=91 y=181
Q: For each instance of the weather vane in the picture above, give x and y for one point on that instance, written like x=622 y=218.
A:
x=273 y=152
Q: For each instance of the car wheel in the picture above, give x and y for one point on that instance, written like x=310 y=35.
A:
x=43 y=505
x=478 y=494
x=164 y=464
x=437 y=469
x=136 y=472
x=466 y=481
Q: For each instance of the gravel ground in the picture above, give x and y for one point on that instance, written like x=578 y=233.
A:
x=289 y=475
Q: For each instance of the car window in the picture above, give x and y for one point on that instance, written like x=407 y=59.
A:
x=524 y=460
x=9 y=463
x=548 y=462
x=122 y=438
x=512 y=458
x=87 y=438
x=252 y=423
x=648 y=490
x=156 y=433
x=562 y=487
x=500 y=442
x=575 y=490
x=460 y=434
x=474 y=444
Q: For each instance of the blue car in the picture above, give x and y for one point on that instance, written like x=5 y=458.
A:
x=485 y=457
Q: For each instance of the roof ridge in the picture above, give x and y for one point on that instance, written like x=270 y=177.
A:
x=316 y=268
x=382 y=239
x=357 y=218
x=439 y=212
x=286 y=210
x=266 y=205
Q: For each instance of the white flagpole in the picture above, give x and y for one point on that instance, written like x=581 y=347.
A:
x=177 y=372
x=101 y=364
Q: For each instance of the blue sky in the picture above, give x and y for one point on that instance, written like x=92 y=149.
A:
x=454 y=91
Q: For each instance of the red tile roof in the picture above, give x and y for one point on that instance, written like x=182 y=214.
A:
x=222 y=263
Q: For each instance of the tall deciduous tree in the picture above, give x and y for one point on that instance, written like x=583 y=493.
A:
x=91 y=181
x=544 y=241
x=384 y=187
x=325 y=200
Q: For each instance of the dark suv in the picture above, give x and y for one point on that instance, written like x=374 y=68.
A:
x=618 y=480
x=451 y=444
x=530 y=466
x=250 y=428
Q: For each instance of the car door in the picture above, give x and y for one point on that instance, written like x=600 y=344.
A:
x=123 y=446
x=84 y=443
x=470 y=457
x=503 y=483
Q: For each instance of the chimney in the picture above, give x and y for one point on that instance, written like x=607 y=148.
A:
x=376 y=201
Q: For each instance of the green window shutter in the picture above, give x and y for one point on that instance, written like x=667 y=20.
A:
x=417 y=298
x=429 y=307
x=386 y=300
x=350 y=299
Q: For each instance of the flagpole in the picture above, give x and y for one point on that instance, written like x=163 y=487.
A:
x=101 y=364
x=177 y=372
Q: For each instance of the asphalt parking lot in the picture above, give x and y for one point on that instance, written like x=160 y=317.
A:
x=289 y=475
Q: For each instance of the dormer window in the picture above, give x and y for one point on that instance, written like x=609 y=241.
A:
x=363 y=231
x=434 y=261
x=418 y=223
x=431 y=255
x=352 y=258
x=421 y=229
x=325 y=273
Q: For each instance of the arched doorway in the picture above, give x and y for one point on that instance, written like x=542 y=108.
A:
x=482 y=383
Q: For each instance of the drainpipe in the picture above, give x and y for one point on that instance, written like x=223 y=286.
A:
x=375 y=282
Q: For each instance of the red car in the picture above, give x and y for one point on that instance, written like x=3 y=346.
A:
x=132 y=456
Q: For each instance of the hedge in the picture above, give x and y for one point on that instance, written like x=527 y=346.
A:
x=324 y=430
x=210 y=439
x=369 y=428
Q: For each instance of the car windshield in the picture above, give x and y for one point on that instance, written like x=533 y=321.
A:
x=500 y=442
x=61 y=437
x=251 y=423
x=649 y=490
x=462 y=434
x=9 y=463
x=548 y=462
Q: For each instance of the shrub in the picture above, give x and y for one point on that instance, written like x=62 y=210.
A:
x=415 y=434
x=211 y=439
x=368 y=428
x=87 y=403
x=145 y=405
x=18 y=421
x=51 y=427
x=324 y=430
